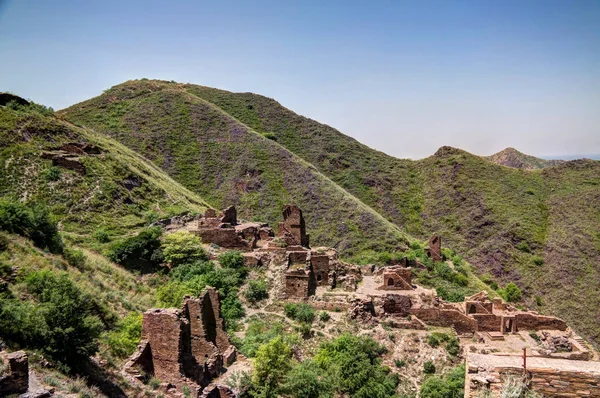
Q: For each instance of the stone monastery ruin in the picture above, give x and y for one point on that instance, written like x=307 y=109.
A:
x=188 y=346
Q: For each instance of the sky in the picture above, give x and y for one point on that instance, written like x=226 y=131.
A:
x=404 y=77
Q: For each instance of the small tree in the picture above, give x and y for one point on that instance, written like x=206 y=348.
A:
x=429 y=367
x=183 y=247
x=512 y=293
x=257 y=290
x=271 y=364
x=231 y=259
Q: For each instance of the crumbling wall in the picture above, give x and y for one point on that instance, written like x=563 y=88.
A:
x=320 y=266
x=446 y=317
x=293 y=227
x=162 y=328
x=397 y=279
x=16 y=381
x=299 y=283
x=548 y=377
x=529 y=321
x=488 y=322
x=435 y=248
x=396 y=304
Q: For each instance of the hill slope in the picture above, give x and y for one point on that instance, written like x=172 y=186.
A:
x=88 y=180
x=510 y=157
x=519 y=225
x=226 y=162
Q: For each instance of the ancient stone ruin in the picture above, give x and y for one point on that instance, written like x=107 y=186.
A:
x=225 y=231
x=434 y=251
x=396 y=278
x=186 y=346
x=16 y=379
x=293 y=229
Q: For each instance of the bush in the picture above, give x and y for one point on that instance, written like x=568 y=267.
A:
x=451 y=386
x=52 y=173
x=303 y=313
x=453 y=346
x=428 y=367
x=538 y=301
x=62 y=321
x=272 y=362
x=231 y=259
x=75 y=258
x=101 y=235
x=461 y=280
x=123 y=341
x=142 y=252
x=324 y=316
x=400 y=363
x=182 y=247
x=453 y=296
x=353 y=366
x=524 y=247
x=186 y=272
x=33 y=222
x=306 y=380
x=512 y=293
x=257 y=291
x=537 y=260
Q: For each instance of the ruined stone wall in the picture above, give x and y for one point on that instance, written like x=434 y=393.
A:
x=163 y=331
x=488 y=322
x=528 y=321
x=224 y=237
x=293 y=228
x=446 y=317
x=297 y=284
x=548 y=377
x=320 y=265
x=16 y=381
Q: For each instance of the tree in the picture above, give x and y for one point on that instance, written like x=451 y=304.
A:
x=307 y=380
x=231 y=259
x=140 y=252
x=183 y=247
x=451 y=386
x=512 y=293
x=272 y=362
x=257 y=290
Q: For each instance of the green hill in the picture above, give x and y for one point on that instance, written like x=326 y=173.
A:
x=533 y=227
x=226 y=162
x=88 y=180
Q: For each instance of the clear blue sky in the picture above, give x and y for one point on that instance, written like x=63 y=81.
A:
x=404 y=77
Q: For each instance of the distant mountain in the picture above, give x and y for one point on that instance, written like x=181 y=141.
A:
x=510 y=157
x=534 y=222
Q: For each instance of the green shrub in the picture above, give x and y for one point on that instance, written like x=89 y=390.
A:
x=537 y=260
x=270 y=136
x=353 y=366
x=62 y=320
x=324 y=316
x=33 y=222
x=453 y=296
x=428 y=367
x=272 y=362
x=303 y=313
x=101 y=235
x=182 y=247
x=52 y=173
x=142 y=252
x=512 y=293
x=123 y=340
x=524 y=247
x=451 y=386
x=400 y=363
x=538 y=301
x=186 y=272
x=231 y=259
x=75 y=258
x=457 y=261
x=453 y=346
x=257 y=291
x=533 y=334
x=306 y=380
x=461 y=280
x=154 y=383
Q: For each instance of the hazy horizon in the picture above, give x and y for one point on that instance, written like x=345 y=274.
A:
x=404 y=78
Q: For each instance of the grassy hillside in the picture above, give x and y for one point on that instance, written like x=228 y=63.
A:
x=510 y=157
x=118 y=191
x=516 y=224
x=226 y=162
